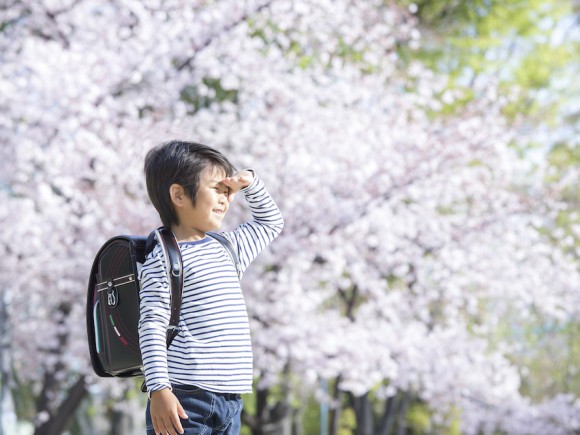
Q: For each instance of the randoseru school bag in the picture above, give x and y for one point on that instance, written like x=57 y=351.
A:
x=112 y=309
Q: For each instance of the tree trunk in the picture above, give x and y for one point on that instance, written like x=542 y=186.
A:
x=255 y=422
x=261 y=411
x=268 y=418
x=56 y=416
x=298 y=421
x=7 y=414
x=335 y=410
x=402 y=423
x=387 y=421
x=58 y=420
x=364 y=414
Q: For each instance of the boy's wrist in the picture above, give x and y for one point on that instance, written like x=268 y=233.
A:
x=252 y=176
x=249 y=176
x=162 y=391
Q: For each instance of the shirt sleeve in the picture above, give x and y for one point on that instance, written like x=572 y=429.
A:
x=153 y=321
x=250 y=238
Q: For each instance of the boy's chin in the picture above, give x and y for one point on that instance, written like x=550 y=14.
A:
x=215 y=227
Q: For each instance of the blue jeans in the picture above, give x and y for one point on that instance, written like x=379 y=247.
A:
x=209 y=413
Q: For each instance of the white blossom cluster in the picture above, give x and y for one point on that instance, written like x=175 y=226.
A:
x=409 y=238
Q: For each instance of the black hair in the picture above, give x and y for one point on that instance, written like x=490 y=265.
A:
x=179 y=162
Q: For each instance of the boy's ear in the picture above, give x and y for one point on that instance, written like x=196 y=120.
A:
x=177 y=194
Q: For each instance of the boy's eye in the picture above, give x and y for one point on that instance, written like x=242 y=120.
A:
x=224 y=189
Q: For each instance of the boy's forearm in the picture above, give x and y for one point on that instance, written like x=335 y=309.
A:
x=154 y=318
x=253 y=236
x=262 y=206
x=154 y=355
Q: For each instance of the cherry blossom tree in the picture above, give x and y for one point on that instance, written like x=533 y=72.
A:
x=411 y=238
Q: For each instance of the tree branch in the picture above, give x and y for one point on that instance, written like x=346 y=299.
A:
x=187 y=62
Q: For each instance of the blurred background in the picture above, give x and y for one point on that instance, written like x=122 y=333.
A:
x=425 y=156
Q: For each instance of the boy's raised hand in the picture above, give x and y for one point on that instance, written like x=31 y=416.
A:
x=165 y=412
x=239 y=181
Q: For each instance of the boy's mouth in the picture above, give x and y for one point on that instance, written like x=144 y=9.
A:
x=219 y=211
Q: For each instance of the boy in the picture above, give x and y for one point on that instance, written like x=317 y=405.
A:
x=195 y=385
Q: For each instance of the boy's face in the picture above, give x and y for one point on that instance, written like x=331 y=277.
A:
x=211 y=203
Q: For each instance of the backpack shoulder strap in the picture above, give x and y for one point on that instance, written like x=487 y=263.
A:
x=174 y=267
x=230 y=250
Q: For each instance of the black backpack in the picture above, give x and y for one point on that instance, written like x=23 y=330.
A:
x=113 y=299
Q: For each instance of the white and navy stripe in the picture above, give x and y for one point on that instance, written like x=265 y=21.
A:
x=213 y=349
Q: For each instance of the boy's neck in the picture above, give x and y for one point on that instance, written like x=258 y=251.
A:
x=187 y=234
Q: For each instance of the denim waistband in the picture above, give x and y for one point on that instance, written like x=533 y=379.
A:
x=184 y=387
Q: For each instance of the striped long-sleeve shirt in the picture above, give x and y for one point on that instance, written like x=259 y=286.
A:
x=213 y=348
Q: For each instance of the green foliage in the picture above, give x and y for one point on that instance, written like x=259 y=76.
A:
x=537 y=69
x=24 y=400
x=419 y=418
x=419 y=421
x=245 y=430
x=311 y=416
x=546 y=351
x=305 y=55
x=512 y=42
x=4 y=25
x=564 y=155
x=216 y=94
x=454 y=421
x=347 y=423
x=488 y=22
x=553 y=351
